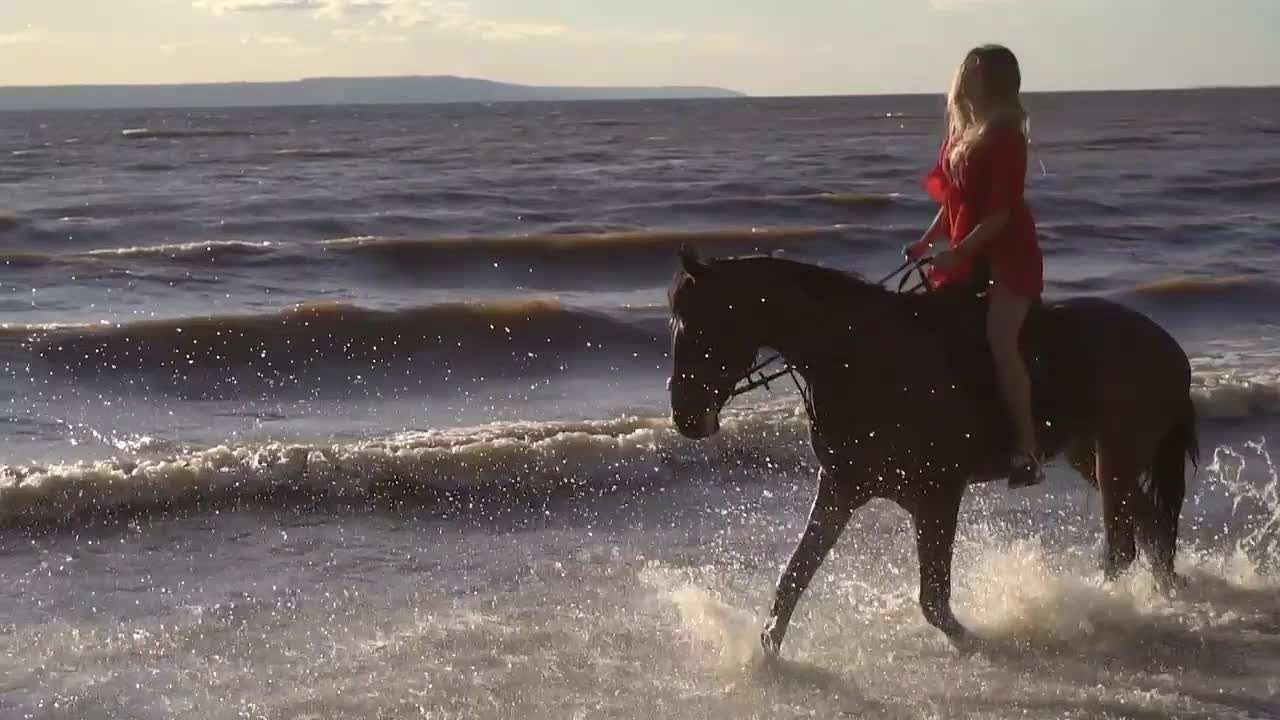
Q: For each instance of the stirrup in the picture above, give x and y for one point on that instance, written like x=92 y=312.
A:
x=1025 y=471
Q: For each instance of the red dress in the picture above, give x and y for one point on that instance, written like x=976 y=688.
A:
x=991 y=179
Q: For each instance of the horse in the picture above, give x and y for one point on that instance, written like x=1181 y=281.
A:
x=903 y=405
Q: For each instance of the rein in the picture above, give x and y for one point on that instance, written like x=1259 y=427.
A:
x=759 y=375
x=757 y=378
x=911 y=265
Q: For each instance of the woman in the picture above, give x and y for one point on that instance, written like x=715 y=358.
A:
x=991 y=234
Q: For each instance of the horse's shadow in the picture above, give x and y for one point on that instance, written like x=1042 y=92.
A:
x=1219 y=639
x=1215 y=629
x=780 y=673
x=1222 y=641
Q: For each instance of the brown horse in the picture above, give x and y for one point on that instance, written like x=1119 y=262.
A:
x=903 y=405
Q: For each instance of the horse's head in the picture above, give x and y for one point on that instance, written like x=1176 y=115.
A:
x=710 y=346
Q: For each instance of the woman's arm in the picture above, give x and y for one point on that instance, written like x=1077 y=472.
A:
x=936 y=226
x=917 y=249
x=981 y=235
x=974 y=242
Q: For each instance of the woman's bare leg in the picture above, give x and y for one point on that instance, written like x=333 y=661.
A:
x=1005 y=315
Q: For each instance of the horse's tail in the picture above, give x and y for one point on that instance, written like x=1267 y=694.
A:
x=1168 y=478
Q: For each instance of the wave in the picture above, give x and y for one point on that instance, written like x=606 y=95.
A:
x=1125 y=230
x=578 y=245
x=149 y=167
x=1109 y=222
x=209 y=250
x=27 y=260
x=117 y=210
x=318 y=153
x=1105 y=142
x=729 y=203
x=1235 y=396
x=1236 y=290
x=853 y=199
x=158 y=133
x=1237 y=190
x=501 y=459
x=498 y=463
x=901 y=116
x=573 y=255
x=447 y=344
x=1184 y=285
x=612 y=122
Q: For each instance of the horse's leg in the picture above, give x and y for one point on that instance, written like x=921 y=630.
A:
x=1163 y=498
x=935 y=517
x=1082 y=456
x=832 y=508
x=1117 y=482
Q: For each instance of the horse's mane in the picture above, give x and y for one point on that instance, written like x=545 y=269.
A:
x=826 y=285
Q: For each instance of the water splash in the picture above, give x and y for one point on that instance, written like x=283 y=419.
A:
x=1257 y=492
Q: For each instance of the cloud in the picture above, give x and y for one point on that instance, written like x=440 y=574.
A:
x=457 y=16
x=171 y=48
x=367 y=37
x=491 y=30
x=722 y=42
x=453 y=15
x=951 y=4
x=321 y=8
x=268 y=40
x=222 y=7
x=279 y=46
x=349 y=8
x=448 y=14
x=663 y=38
x=23 y=37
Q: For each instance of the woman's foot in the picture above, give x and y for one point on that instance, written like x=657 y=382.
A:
x=1025 y=471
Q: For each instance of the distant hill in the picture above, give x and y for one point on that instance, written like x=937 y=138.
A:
x=325 y=91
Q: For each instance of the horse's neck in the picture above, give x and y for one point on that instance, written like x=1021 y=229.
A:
x=817 y=337
x=795 y=326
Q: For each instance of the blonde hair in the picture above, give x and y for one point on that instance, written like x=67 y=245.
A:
x=969 y=117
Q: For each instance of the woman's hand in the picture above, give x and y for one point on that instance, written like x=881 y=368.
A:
x=918 y=249
x=948 y=260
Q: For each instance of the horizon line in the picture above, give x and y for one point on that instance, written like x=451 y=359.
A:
x=63 y=98
x=628 y=86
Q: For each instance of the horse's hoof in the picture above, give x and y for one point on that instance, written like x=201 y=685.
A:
x=772 y=647
x=965 y=643
x=1170 y=584
x=1114 y=572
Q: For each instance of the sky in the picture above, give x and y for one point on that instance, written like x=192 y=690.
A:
x=762 y=47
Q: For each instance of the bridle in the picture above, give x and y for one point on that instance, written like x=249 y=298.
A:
x=905 y=269
x=756 y=378
x=759 y=375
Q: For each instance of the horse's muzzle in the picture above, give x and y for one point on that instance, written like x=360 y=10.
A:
x=697 y=426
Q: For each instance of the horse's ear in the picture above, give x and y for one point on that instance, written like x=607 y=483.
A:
x=693 y=265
